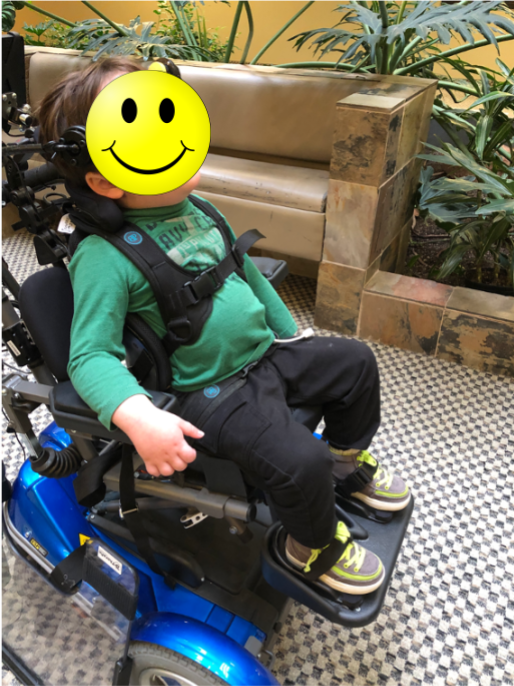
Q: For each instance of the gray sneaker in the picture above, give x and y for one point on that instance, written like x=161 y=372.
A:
x=358 y=571
x=385 y=492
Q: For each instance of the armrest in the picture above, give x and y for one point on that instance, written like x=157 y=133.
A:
x=71 y=412
x=274 y=270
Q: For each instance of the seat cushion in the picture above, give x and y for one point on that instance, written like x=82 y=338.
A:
x=275 y=184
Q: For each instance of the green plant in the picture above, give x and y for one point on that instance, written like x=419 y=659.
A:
x=398 y=37
x=477 y=210
x=181 y=22
x=489 y=131
x=105 y=38
x=52 y=34
x=7 y=15
x=181 y=32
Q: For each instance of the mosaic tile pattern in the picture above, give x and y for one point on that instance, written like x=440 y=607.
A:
x=448 y=617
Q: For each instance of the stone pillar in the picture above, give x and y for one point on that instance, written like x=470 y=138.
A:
x=373 y=177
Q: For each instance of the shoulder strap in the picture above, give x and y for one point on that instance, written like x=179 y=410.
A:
x=184 y=300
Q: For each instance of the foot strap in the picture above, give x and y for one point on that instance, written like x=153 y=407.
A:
x=357 y=480
x=328 y=557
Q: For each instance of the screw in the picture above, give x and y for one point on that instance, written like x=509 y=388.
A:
x=4 y=391
x=233 y=530
x=4 y=98
x=17 y=396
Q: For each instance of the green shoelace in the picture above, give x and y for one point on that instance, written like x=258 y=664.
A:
x=382 y=477
x=342 y=534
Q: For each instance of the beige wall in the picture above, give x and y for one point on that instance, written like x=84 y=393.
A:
x=269 y=16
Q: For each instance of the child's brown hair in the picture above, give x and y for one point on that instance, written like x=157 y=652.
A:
x=69 y=102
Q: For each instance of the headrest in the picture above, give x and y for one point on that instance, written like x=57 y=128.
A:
x=94 y=209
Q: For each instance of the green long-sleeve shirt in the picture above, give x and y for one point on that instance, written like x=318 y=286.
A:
x=107 y=285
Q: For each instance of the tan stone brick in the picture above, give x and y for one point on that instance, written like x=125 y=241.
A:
x=401 y=323
x=485 y=344
x=360 y=144
x=395 y=206
x=409 y=288
x=338 y=297
x=412 y=124
x=482 y=303
x=350 y=222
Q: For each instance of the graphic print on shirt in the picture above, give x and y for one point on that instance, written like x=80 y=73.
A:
x=193 y=242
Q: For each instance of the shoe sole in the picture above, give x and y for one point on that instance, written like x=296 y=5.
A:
x=385 y=506
x=339 y=585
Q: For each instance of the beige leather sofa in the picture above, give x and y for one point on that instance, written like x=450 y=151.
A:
x=271 y=143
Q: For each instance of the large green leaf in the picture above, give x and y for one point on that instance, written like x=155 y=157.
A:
x=454 y=256
x=8 y=16
x=496 y=206
x=363 y=30
x=492 y=96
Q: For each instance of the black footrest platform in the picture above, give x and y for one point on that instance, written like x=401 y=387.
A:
x=385 y=540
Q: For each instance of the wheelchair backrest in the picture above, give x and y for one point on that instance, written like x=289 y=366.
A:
x=46 y=306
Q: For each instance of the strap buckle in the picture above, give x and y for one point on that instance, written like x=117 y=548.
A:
x=207 y=283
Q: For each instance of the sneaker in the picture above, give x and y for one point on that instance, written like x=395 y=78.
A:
x=385 y=492
x=357 y=572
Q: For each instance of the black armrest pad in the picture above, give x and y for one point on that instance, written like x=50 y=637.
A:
x=274 y=270
x=64 y=398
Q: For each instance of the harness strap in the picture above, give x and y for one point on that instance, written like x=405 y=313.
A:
x=89 y=486
x=6 y=486
x=328 y=557
x=131 y=514
x=78 y=567
x=184 y=300
x=69 y=572
x=212 y=279
x=357 y=480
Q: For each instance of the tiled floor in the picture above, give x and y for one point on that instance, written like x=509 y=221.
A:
x=448 y=618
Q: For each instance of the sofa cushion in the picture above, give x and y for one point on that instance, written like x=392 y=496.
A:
x=274 y=184
x=287 y=231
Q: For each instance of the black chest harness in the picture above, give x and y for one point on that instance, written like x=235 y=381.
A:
x=184 y=297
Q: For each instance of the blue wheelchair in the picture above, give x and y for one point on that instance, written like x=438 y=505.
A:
x=200 y=585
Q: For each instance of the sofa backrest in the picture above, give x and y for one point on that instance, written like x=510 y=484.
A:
x=263 y=110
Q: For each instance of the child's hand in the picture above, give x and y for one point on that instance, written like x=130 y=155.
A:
x=157 y=436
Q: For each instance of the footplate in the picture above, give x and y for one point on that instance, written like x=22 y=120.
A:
x=385 y=540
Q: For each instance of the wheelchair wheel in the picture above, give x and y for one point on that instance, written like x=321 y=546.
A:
x=154 y=665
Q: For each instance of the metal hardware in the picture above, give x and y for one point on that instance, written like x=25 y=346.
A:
x=192 y=518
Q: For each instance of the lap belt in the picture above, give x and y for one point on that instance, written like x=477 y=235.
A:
x=198 y=406
x=357 y=480
x=221 y=475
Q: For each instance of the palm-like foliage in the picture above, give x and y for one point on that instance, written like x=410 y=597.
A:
x=477 y=211
x=401 y=38
x=102 y=38
x=490 y=128
x=7 y=15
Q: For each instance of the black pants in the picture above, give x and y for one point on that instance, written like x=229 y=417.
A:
x=254 y=427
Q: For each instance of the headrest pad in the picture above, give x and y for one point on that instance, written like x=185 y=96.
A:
x=94 y=209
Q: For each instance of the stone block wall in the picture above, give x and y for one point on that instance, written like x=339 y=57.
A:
x=373 y=177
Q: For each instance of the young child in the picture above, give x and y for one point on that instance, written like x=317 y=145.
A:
x=253 y=426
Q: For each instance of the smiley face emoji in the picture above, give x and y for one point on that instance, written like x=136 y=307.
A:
x=148 y=132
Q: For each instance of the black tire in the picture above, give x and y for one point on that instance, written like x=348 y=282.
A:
x=154 y=665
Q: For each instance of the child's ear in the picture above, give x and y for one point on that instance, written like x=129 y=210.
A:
x=101 y=186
